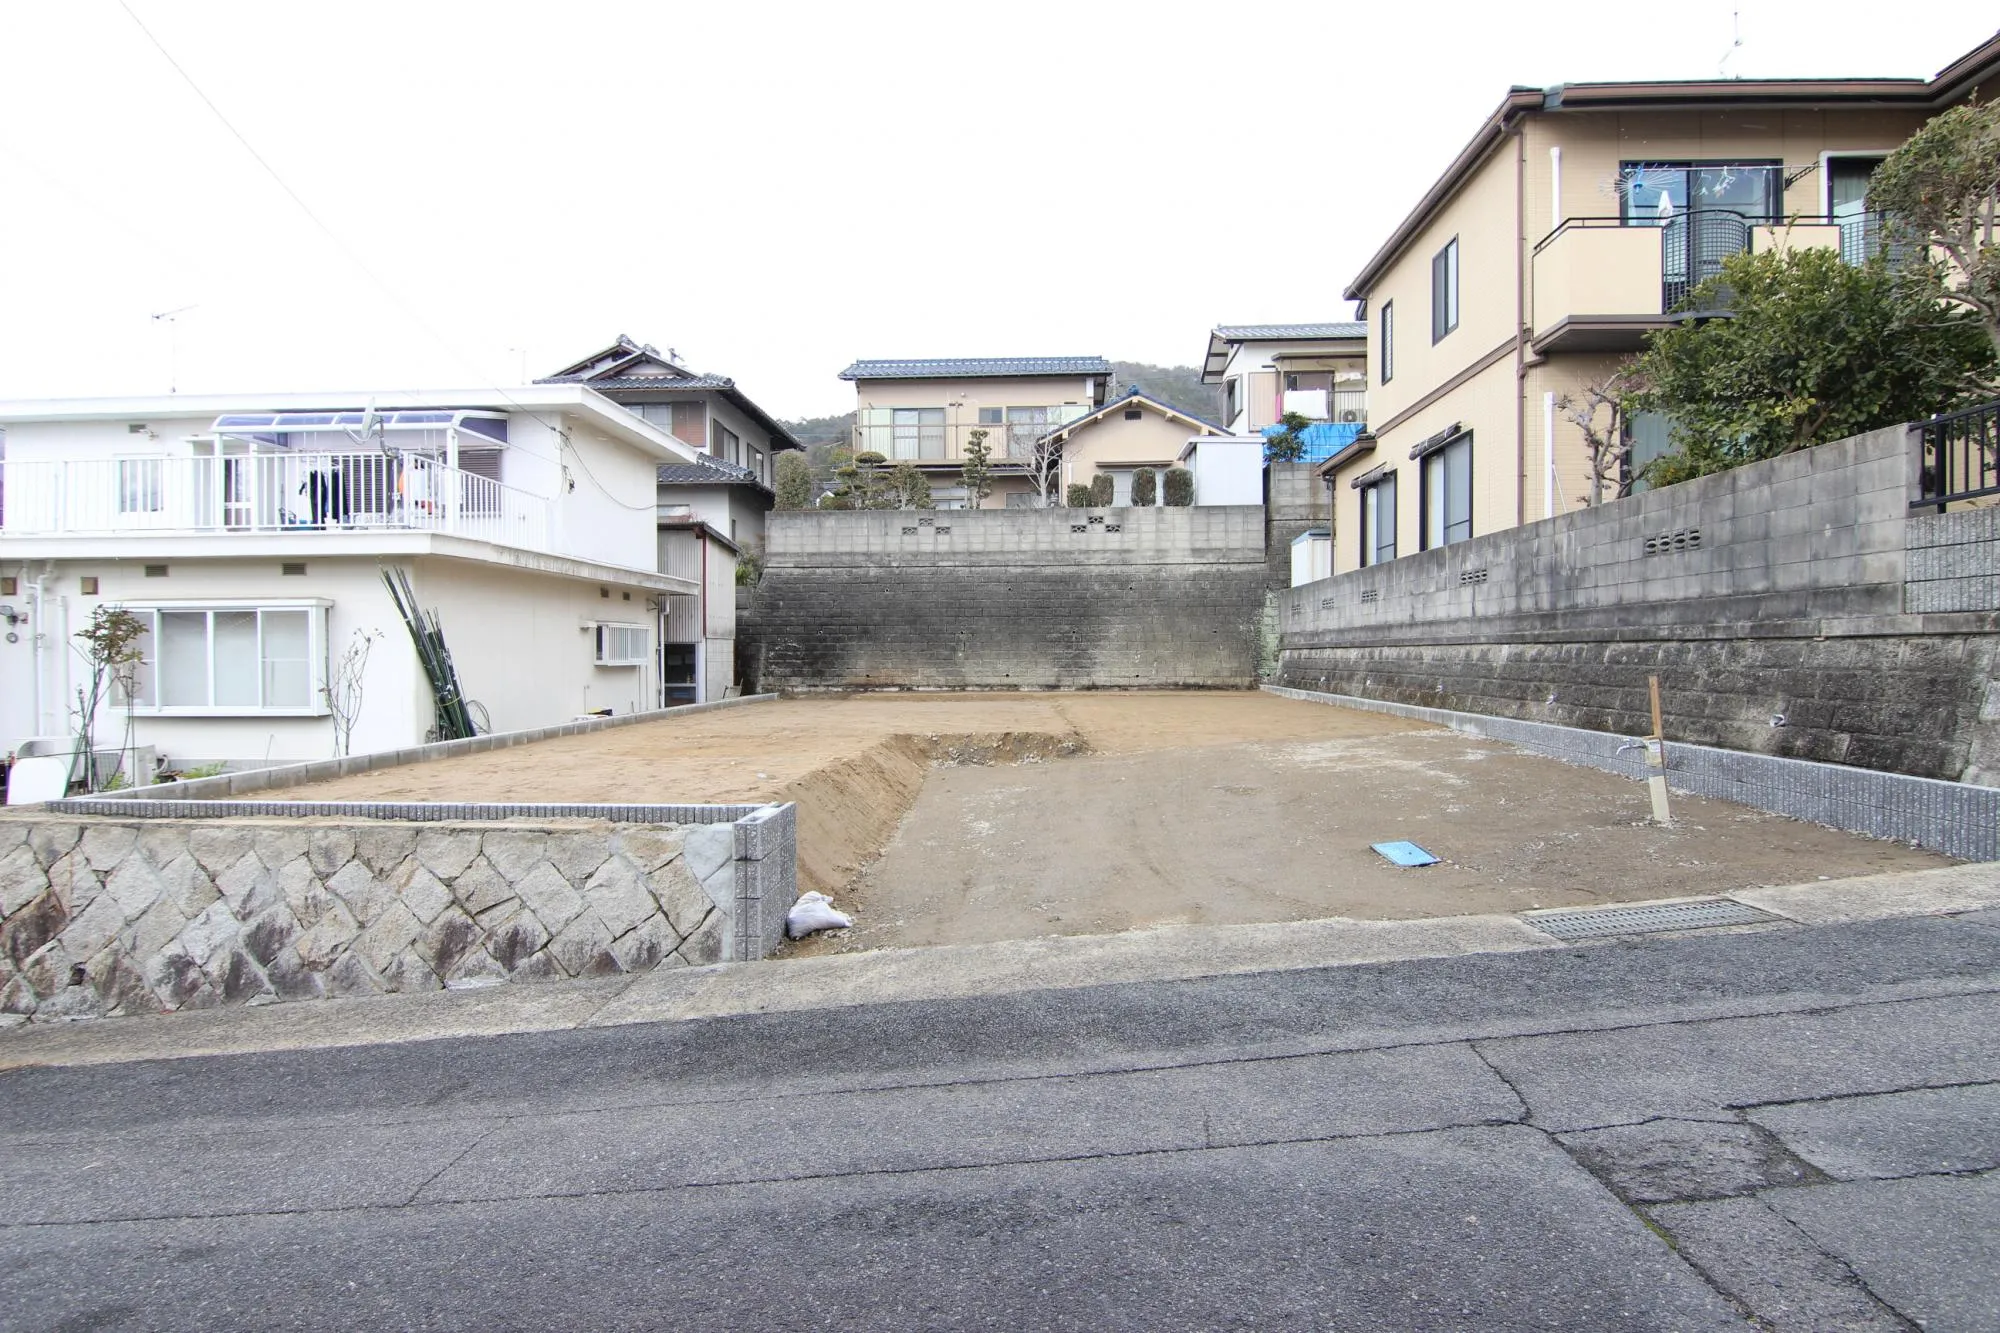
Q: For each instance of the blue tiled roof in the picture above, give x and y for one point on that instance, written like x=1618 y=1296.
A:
x=1323 y=439
x=976 y=367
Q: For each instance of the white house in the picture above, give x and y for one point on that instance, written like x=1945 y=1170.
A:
x=1318 y=371
x=1228 y=469
x=251 y=535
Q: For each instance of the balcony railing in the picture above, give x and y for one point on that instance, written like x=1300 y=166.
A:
x=265 y=493
x=944 y=442
x=1635 y=268
x=1961 y=457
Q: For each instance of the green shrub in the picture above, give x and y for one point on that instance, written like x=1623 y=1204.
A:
x=795 y=480
x=1079 y=495
x=1145 y=488
x=1101 y=491
x=1180 y=487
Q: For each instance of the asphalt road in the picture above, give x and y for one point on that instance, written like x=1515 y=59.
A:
x=1668 y=1133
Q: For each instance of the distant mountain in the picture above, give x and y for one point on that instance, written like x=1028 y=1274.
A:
x=822 y=430
x=1180 y=386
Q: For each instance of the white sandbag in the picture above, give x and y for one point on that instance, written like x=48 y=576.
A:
x=814 y=911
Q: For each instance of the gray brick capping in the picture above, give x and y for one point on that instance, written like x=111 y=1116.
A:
x=120 y=907
x=324 y=770
x=1953 y=818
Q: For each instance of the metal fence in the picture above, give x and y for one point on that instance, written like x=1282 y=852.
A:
x=269 y=492
x=1961 y=457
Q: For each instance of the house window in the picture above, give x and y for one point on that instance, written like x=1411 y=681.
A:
x=231 y=658
x=1378 y=521
x=1388 y=341
x=989 y=416
x=1232 y=392
x=1651 y=438
x=1020 y=499
x=1444 y=290
x=1655 y=193
x=620 y=645
x=917 y=432
x=756 y=464
x=139 y=485
x=1025 y=425
x=1447 y=493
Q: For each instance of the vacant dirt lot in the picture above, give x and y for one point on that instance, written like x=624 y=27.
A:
x=960 y=818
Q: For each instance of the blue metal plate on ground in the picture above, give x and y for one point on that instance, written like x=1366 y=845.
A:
x=1405 y=854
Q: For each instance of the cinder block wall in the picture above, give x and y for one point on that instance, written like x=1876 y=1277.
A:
x=1008 y=599
x=1294 y=502
x=1792 y=607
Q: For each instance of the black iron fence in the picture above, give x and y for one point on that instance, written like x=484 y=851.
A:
x=1961 y=457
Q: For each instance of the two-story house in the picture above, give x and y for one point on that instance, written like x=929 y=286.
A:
x=250 y=535
x=925 y=411
x=1575 y=222
x=1319 y=371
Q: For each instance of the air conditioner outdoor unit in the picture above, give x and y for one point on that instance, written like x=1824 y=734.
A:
x=621 y=645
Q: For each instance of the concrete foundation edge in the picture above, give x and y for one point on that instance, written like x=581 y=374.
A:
x=1956 y=819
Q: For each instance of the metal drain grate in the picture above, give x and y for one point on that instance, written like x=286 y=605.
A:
x=1593 y=922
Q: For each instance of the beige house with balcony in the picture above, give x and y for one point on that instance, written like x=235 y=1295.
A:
x=924 y=412
x=1575 y=222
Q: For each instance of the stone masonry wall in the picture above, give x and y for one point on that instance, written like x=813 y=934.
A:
x=1792 y=608
x=109 y=915
x=1008 y=599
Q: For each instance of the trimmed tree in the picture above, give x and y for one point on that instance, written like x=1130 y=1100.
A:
x=1288 y=445
x=1078 y=496
x=1101 y=491
x=794 y=480
x=1941 y=190
x=1145 y=488
x=1179 y=487
x=909 y=488
x=977 y=474
x=1814 y=349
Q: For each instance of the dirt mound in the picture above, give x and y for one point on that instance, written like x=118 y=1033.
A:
x=849 y=809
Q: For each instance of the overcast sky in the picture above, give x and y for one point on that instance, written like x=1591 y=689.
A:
x=773 y=190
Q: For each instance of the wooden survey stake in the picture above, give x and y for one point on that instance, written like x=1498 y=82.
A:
x=1656 y=759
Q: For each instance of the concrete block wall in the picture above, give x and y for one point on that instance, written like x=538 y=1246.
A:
x=1295 y=501
x=1008 y=599
x=1790 y=608
x=111 y=908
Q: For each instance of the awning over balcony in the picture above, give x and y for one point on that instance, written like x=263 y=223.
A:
x=273 y=427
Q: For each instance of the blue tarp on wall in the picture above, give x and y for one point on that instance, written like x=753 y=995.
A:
x=1323 y=439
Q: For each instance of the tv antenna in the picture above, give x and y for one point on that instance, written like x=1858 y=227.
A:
x=172 y=320
x=1735 y=42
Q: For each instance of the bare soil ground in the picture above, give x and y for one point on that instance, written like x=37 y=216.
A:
x=964 y=818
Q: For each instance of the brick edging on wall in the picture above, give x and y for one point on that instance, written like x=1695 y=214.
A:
x=323 y=770
x=1955 y=818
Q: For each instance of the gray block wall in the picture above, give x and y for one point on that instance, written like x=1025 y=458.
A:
x=1008 y=599
x=110 y=908
x=1295 y=502
x=1792 y=608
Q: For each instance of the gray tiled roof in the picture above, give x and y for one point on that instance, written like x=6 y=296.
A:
x=1272 y=332
x=706 y=471
x=975 y=367
x=664 y=383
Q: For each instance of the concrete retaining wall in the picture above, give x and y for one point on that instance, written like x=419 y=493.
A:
x=1790 y=608
x=119 y=907
x=1008 y=599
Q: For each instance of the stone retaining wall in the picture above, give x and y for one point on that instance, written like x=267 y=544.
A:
x=111 y=907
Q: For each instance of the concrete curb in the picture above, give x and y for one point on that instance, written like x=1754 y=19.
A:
x=323 y=770
x=1164 y=954
x=1955 y=818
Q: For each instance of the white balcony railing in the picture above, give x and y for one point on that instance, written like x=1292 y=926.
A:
x=265 y=493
